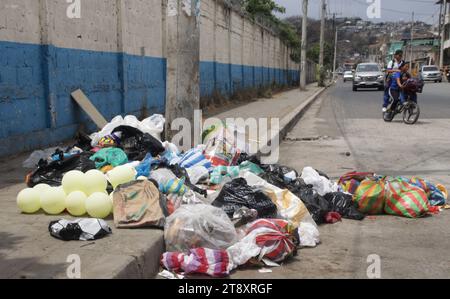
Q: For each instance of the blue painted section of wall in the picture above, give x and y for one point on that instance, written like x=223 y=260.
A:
x=36 y=109
x=229 y=78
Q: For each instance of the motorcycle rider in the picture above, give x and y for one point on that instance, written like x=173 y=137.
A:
x=391 y=69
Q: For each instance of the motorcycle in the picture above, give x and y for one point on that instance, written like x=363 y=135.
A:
x=447 y=75
x=411 y=110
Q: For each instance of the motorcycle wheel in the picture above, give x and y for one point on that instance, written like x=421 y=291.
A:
x=411 y=113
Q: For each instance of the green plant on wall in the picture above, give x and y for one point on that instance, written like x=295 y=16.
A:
x=267 y=9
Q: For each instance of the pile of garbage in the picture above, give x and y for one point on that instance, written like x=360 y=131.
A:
x=220 y=207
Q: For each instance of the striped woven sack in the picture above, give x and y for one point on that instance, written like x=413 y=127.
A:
x=405 y=199
x=349 y=182
x=371 y=196
x=274 y=238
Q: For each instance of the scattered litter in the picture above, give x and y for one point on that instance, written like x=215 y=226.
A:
x=80 y=229
x=220 y=207
x=170 y=275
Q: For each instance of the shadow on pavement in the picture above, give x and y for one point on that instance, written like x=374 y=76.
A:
x=19 y=267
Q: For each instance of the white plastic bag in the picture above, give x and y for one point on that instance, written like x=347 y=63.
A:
x=196 y=173
x=309 y=235
x=193 y=226
x=154 y=125
x=320 y=184
x=243 y=251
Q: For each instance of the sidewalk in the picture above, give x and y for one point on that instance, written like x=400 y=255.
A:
x=28 y=251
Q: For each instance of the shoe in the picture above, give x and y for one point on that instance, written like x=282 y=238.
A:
x=384 y=110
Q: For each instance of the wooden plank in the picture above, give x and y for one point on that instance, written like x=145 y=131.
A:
x=89 y=108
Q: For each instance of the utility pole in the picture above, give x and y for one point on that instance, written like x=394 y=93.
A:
x=303 y=46
x=322 y=43
x=440 y=33
x=412 y=38
x=441 y=55
x=335 y=45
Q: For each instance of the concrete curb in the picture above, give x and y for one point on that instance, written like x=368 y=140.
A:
x=289 y=121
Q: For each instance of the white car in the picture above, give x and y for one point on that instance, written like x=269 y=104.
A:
x=431 y=73
x=348 y=76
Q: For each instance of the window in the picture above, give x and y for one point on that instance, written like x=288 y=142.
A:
x=368 y=68
x=430 y=69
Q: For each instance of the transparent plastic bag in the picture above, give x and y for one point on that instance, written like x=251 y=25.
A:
x=193 y=226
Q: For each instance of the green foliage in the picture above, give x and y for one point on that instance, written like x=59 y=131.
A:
x=314 y=53
x=266 y=9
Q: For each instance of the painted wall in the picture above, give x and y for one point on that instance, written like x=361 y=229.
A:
x=113 y=53
x=116 y=54
x=238 y=54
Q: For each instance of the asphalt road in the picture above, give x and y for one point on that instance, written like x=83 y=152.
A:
x=344 y=131
x=366 y=103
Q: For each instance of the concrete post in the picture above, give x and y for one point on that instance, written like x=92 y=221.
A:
x=183 y=62
x=304 y=46
x=48 y=61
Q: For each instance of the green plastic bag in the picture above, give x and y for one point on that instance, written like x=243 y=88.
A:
x=252 y=167
x=109 y=156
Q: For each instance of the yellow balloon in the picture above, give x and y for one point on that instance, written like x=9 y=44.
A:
x=74 y=181
x=53 y=201
x=98 y=205
x=111 y=196
x=41 y=187
x=95 y=181
x=76 y=203
x=29 y=200
x=121 y=175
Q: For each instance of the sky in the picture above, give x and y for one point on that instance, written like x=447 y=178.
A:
x=391 y=10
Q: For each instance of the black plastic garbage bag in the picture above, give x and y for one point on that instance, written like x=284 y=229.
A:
x=238 y=193
x=317 y=206
x=246 y=157
x=84 y=229
x=137 y=144
x=279 y=175
x=53 y=172
x=344 y=205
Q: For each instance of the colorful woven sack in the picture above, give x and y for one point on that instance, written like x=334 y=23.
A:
x=216 y=263
x=274 y=238
x=406 y=199
x=370 y=196
x=436 y=193
x=349 y=182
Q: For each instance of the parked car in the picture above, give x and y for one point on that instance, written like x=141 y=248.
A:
x=368 y=75
x=348 y=76
x=431 y=73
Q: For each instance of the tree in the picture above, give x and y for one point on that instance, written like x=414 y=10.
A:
x=314 y=52
x=265 y=8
